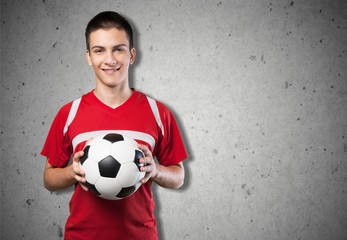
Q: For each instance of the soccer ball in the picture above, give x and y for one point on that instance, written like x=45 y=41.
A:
x=111 y=165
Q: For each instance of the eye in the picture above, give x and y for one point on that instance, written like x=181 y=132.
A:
x=98 y=50
x=119 y=49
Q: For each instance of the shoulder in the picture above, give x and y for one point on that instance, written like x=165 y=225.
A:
x=68 y=111
x=160 y=110
x=66 y=108
x=74 y=103
x=153 y=102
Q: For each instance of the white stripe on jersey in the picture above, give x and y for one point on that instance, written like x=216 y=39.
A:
x=132 y=134
x=72 y=114
x=155 y=111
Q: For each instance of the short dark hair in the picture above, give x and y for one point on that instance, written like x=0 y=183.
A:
x=106 y=20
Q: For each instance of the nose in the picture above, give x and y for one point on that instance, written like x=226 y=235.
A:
x=111 y=60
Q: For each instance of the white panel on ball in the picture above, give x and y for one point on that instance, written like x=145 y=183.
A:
x=128 y=174
x=100 y=149
x=123 y=152
x=105 y=186
x=89 y=167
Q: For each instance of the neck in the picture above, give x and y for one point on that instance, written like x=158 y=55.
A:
x=113 y=97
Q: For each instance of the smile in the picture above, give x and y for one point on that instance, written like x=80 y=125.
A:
x=111 y=70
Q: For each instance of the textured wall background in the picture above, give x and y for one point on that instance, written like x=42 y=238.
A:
x=259 y=89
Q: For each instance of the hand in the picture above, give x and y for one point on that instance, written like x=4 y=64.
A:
x=149 y=167
x=77 y=172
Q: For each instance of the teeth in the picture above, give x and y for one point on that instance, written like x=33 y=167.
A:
x=109 y=70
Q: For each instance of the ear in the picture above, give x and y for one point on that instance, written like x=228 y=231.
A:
x=132 y=55
x=88 y=58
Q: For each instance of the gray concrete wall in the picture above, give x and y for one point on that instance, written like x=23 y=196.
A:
x=259 y=89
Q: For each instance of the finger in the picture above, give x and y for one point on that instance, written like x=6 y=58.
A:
x=78 y=171
x=145 y=179
x=77 y=156
x=146 y=160
x=144 y=169
x=80 y=179
x=76 y=168
x=149 y=170
x=145 y=150
x=84 y=187
x=141 y=146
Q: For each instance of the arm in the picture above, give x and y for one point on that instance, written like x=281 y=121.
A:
x=165 y=176
x=60 y=178
x=57 y=178
x=169 y=176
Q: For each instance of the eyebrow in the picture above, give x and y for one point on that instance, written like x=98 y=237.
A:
x=118 y=45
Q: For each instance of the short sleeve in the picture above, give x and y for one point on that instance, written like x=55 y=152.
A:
x=57 y=147
x=171 y=149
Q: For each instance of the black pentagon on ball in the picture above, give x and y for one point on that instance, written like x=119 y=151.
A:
x=138 y=156
x=109 y=167
x=125 y=192
x=113 y=137
x=85 y=155
x=92 y=188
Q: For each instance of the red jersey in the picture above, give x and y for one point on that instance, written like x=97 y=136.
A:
x=140 y=117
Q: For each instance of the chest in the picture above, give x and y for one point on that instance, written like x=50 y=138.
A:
x=137 y=122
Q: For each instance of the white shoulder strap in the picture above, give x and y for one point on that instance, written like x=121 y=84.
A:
x=156 y=114
x=72 y=114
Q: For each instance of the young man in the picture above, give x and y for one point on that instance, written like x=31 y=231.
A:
x=112 y=106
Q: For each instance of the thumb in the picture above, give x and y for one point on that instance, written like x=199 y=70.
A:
x=77 y=156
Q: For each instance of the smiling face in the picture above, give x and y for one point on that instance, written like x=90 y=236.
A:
x=110 y=57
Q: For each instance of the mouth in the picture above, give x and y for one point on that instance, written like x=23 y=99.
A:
x=110 y=70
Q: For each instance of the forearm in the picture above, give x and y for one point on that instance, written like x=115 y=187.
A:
x=169 y=176
x=58 y=178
